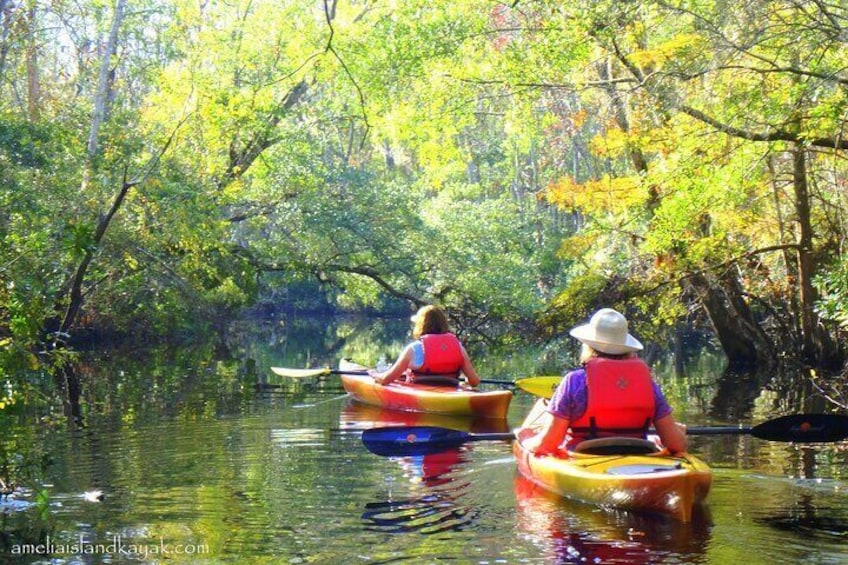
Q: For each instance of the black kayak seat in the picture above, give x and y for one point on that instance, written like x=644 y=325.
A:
x=617 y=446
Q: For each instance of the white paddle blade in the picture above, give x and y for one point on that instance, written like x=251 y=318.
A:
x=300 y=373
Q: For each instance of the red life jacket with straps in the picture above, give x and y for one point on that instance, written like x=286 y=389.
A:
x=442 y=356
x=621 y=399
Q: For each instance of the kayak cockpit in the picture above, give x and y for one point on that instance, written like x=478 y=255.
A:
x=617 y=446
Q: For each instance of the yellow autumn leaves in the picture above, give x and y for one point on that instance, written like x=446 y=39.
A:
x=605 y=194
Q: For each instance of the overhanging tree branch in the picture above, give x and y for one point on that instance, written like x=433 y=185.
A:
x=723 y=265
x=76 y=295
x=377 y=277
x=776 y=135
x=330 y=13
x=775 y=69
x=241 y=158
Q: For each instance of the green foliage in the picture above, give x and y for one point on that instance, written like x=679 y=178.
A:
x=483 y=252
x=833 y=287
x=22 y=143
x=580 y=297
x=500 y=160
x=33 y=195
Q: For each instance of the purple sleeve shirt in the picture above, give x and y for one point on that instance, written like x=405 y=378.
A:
x=571 y=398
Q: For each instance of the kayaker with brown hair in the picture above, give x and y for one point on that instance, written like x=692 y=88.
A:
x=436 y=356
x=612 y=394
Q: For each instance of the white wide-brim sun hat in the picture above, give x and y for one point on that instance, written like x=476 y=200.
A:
x=607 y=332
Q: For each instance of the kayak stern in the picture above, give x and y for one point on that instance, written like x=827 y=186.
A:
x=655 y=483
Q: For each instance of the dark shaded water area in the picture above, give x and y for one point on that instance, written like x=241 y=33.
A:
x=181 y=460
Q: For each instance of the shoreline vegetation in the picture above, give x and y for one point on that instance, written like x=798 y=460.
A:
x=164 y=168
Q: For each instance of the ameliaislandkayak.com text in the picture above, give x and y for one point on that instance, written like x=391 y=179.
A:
x=117 y=546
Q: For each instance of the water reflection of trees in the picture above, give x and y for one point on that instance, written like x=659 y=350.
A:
x=735 y=394
x=808 y=518
x=429 y=514
x=739 y=394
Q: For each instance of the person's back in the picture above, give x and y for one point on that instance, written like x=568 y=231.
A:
x=612 y=394
x=436 y=356
x=620 y=400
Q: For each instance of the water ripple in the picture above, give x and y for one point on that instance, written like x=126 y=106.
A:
x=427 y=514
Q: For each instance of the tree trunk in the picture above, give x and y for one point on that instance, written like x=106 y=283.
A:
x=33 y=80
x=243 y=156
x=102 y=97
x=817 y=347
x=789 y=254
x=67 y=373
x=5 y=28
x=76 y=295
x=741 y=337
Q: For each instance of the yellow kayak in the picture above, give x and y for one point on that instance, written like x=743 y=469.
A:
x=612 y=473
x=436 y=399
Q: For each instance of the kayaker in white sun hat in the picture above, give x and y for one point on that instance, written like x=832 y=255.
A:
x=611 y=394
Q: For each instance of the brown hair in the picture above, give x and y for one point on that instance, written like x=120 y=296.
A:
x=430 y=320
x=587 y=353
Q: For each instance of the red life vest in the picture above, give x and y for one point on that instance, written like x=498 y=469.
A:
x=442 y=355
x=621 y=399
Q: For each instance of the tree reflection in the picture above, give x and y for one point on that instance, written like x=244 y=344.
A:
x=808 y=518
x=735 y=394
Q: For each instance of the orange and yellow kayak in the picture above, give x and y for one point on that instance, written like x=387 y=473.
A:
x=416 y=397
x=657 y=482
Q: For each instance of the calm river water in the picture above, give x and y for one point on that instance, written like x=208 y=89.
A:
x=181 y=461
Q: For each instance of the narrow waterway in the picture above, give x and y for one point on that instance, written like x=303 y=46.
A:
x=182 y=461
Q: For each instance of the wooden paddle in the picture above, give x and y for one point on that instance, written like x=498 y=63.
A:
x=537 y=386
x=420 y=440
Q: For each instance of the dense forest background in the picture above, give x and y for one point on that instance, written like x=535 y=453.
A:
x=166 y=165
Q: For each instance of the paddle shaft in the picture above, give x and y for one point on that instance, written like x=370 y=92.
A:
x=490 y=436
x=499 y=436
x=482 y=381
x=718 y=430
x=800 y=428
x=308 y=373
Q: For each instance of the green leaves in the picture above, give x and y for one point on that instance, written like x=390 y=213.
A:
x=488 y=157
x=833 y=286
x=21 y=143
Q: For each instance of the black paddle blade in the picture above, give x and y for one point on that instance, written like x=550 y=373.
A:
x=804 y=428
x=412 y=440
